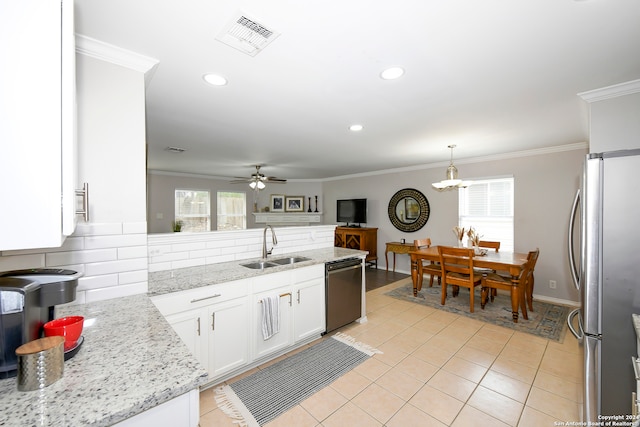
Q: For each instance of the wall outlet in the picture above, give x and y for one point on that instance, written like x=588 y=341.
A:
x=552 y=284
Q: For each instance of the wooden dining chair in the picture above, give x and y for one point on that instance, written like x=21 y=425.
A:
x=493 y=281
x=424 y=266
x=489 y=245
x=457 y=270
x=533 y=258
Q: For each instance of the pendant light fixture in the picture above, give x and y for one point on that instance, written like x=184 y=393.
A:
x=452 y=182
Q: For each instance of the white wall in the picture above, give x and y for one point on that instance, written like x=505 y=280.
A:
x=615 y=123
x=545 y=184
x=162 y=186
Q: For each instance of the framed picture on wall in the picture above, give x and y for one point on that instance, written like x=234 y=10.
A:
x=277 y=203
x=294 y=204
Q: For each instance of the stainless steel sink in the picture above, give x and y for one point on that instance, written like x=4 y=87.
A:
x=259 y=265
x=290 y=260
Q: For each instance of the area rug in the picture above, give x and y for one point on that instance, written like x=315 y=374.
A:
x=261 y=397
x=546 y=320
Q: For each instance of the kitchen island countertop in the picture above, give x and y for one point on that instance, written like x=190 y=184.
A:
x=131 y=360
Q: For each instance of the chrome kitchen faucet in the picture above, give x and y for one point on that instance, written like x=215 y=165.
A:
x=264 y=241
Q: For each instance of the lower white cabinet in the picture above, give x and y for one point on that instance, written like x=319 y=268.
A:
x=309 y=308
x=188 y=327
x=228 y=344
x=302 y=307
x=284 y=337
x=222 y=324
x=213 y=322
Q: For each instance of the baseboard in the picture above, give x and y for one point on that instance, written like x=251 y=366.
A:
x=556 y=301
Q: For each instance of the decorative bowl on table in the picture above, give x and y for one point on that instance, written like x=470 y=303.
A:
x=69 y=327
x=479 y=251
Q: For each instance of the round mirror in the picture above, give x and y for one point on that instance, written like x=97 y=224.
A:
x=408 y=210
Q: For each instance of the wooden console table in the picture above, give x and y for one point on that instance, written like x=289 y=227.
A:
x=396 y=248
x=364 y=239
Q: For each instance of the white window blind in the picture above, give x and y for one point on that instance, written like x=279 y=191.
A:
x=232 y=210
x=487 y=206
x=193 y=208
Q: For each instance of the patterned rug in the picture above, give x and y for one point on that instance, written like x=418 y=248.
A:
x=546 y=320
x=261 y=397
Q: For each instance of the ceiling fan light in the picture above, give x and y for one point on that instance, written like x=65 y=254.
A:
x=257 y=184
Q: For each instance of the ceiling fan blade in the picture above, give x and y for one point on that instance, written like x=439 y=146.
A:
x=275 y=180
x=240 y=181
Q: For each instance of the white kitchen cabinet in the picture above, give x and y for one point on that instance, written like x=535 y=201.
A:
x=228 y=332
x=284 y=338
x=37 y=123
x=302 y=308
x=309 y=309
x=188 y=327
x=213 y=322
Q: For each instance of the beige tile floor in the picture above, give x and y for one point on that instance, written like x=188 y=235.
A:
x=439 y=369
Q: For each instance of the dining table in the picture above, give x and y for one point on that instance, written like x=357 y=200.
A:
x=511 y=262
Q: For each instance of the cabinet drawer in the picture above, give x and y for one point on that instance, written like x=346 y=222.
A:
x=308 y=273
x=271 y=281
x=196 y=298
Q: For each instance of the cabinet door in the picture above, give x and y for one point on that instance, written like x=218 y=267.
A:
x=309 y=309
x=34 y=137
x=228 y=325
x=189 y=327
x=282 y=339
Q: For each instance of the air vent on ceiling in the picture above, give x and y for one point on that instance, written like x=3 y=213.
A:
x=247 y=35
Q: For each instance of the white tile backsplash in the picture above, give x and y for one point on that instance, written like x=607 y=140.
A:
x=113 y=258
x=179 y=250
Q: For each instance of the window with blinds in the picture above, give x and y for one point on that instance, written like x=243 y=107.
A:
x=487 y=206
x=232 y=210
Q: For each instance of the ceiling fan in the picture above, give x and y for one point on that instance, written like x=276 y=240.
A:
x=258 y=181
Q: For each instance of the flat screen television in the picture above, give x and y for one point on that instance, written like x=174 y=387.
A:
x=352 y=211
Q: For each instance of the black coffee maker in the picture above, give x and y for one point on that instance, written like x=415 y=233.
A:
x=27 y=302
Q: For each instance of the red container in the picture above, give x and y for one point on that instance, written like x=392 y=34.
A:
x=68 y=327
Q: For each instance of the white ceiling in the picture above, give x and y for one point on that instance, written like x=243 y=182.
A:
x=489 y=76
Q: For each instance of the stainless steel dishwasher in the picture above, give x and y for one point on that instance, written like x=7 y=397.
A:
x=343 y=280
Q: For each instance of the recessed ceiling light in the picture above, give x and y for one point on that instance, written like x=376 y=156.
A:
x=356 y=128
x=215 y=79
x=392 y=73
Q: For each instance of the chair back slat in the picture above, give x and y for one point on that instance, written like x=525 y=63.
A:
x=456 y=260
x=489 y=244
x=422 y=243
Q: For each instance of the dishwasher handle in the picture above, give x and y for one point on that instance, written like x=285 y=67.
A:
x=343 y=264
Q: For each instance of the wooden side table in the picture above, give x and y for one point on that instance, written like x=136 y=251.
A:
x=396 y=248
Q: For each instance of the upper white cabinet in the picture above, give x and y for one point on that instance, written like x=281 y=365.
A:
x=37 y=123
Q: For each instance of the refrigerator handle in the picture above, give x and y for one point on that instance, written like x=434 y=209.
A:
x=572 y=222
x=570 y=317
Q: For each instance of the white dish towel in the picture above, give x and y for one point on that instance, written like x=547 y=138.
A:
x=270 y=316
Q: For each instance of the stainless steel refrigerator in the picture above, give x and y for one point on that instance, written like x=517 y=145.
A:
x=606 y=271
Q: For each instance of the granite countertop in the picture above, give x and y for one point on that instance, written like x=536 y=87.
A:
x=164 y=282
x=131 y=360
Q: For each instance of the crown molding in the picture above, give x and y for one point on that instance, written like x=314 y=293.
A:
x=116 y=55
x=613 y=91
x=461 y=161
